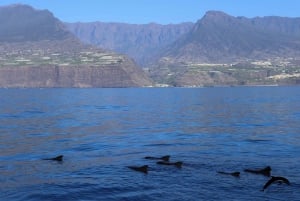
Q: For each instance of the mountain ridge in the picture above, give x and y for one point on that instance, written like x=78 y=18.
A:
x=20 y=18
x=219 y=37
x=216 y=37
x=139 y=41
x=36 y=50
x=224 y=50
x=219 y=49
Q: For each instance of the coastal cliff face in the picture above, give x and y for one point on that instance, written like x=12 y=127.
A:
x=67 y=76
x=37 y=51
x=219 y=49
x=66 y=63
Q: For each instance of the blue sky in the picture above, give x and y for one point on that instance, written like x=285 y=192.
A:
x=159 y=11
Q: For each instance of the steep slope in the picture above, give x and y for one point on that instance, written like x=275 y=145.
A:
x=221 y=38
x=280 y=25
x=225 y=50
x=22 y=23
x=140 y=42
x=36 y=50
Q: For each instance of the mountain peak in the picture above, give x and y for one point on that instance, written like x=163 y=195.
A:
x=216 y=17
x=215 y=13
x=219 y=37
x=18 y=7
x=15 y=5
x=20 y=23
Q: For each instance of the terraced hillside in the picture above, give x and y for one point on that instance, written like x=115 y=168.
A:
x=55 y=58
x=272 y=72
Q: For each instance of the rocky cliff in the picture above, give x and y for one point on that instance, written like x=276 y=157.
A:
x=36 y=50
x=224 y=50
x=66 y=76
x=221 y=38
x=141 y=42
x=215 y=38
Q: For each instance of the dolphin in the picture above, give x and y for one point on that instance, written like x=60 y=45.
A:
x=265 y=171
x=143 y=168
x=163 y=158
x=276 y=179
x=57 y=158
x=177 y=164
x=235 y=174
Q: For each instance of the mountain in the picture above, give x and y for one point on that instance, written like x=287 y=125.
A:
x=36 y=50
x=22 y=23
x=221 y=38
x=216 y=38
x=280 y=25
x=141 y=42
x=224 y=50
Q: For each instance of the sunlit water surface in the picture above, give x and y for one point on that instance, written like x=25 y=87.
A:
x=102 y=131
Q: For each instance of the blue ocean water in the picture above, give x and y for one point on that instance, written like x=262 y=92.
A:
x=102 y=131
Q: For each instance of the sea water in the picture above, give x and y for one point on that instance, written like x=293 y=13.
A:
x=102 y=131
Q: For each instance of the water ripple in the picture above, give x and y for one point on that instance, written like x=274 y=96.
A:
x=102 y=131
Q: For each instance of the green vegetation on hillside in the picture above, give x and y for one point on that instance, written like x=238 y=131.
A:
x=244 y=73
x=49 y=53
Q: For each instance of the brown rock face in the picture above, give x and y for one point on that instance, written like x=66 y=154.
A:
x=67 y=76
